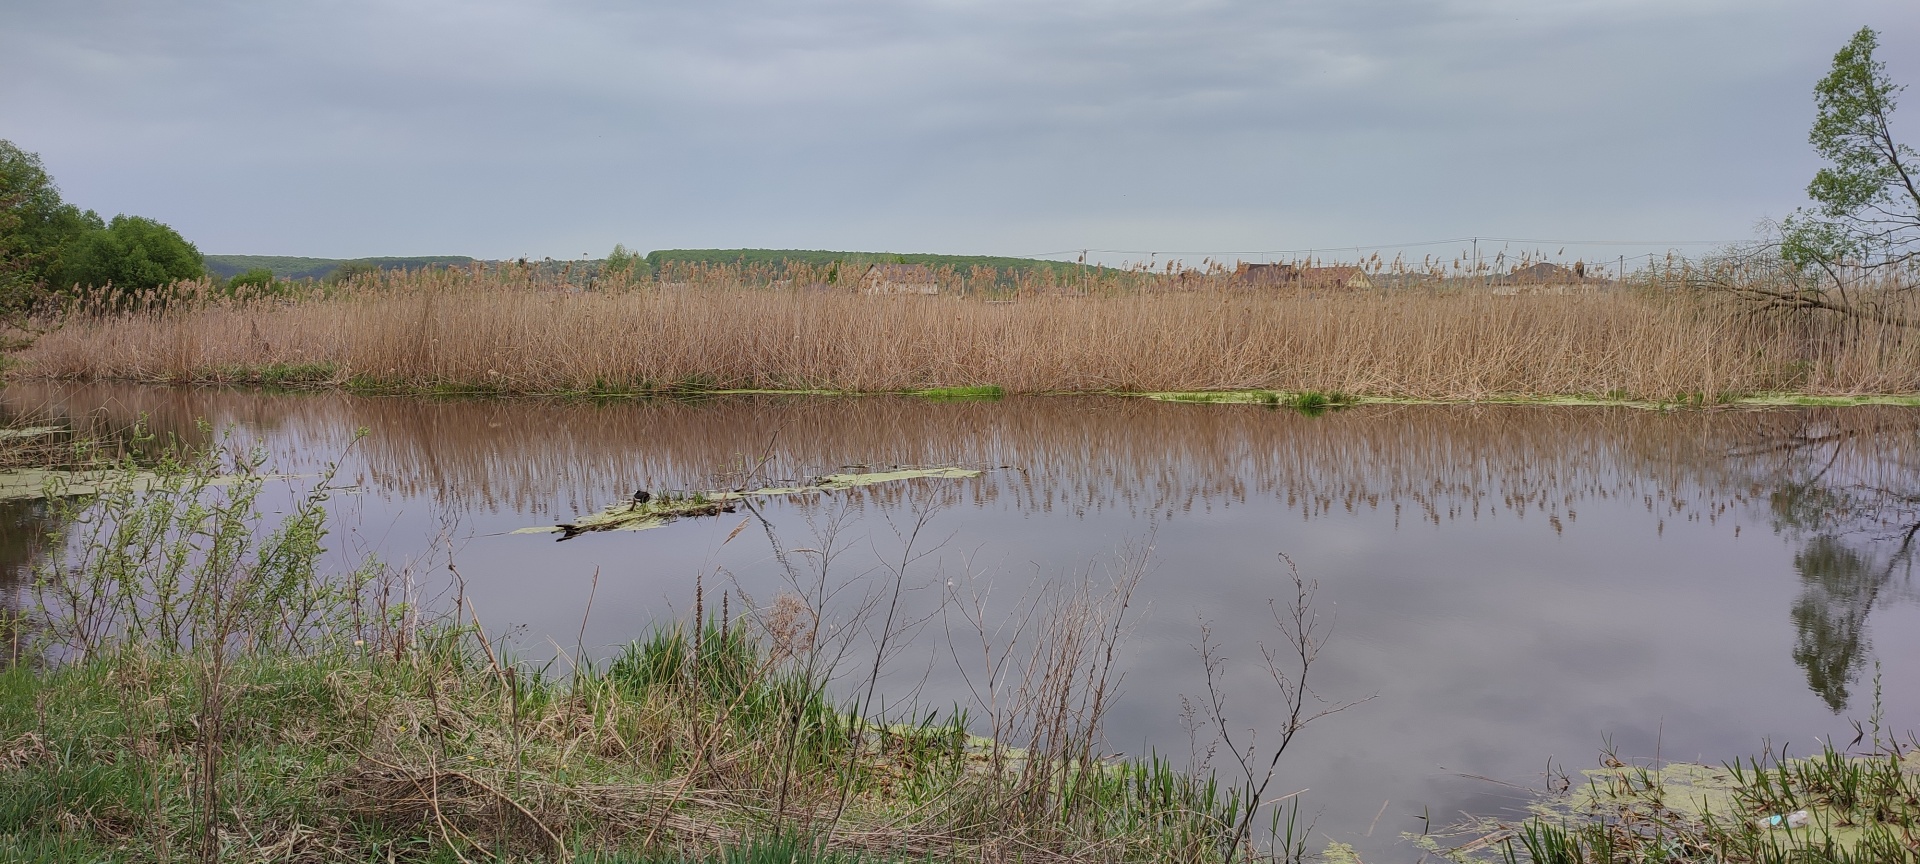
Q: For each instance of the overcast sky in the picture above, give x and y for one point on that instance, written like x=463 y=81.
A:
x=337 y=128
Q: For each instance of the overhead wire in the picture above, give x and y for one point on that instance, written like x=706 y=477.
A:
x=1378 y=246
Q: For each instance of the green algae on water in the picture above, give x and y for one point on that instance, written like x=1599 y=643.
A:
x=987 y=393
x=34 y=483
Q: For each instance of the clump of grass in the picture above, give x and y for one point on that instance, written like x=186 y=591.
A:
x=1314 y=403
x=604 y=388
x=723 y=668
x=988 y=392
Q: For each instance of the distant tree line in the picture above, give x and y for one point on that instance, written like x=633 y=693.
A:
x=48 y=245
x=660 y=260
x=282 y=268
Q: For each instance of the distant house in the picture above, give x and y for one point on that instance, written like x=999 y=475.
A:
x=899 y=279
x=1545 y=274
x=1266 y=274
x=1335 y=277
x=1304 y=277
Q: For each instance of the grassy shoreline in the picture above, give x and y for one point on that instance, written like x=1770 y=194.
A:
x=675 y=752
x=664 y=754
x=276 y=379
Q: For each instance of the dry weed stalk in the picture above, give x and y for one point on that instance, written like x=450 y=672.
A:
x=1045 y=676
x=489 y=333
x=1303 y=634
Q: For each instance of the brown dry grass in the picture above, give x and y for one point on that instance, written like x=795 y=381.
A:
x=489 y=332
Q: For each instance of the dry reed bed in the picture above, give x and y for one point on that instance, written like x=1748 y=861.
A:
x=463 y=330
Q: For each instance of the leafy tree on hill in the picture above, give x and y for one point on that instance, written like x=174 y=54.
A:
x=132 y=254
x=34 y=225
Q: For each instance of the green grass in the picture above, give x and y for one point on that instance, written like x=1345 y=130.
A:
x=987 y=392
x=317 y=750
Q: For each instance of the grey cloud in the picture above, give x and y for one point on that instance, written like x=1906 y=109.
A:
x=498 y=128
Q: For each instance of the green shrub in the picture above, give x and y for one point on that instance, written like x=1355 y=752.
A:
x=349 y=271
x=259 y=280
x=34 y=225
x=132 y=253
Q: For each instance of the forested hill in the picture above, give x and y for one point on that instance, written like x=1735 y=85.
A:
x=285 y=267
x=822 y=258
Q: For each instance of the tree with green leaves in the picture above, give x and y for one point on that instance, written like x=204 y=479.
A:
x=624 y=264
x=34 y=226
x=1868 y=196
x=132 y=254
x=1857 y=250
x=258 y=280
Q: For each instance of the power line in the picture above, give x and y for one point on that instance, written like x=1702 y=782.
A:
x=1416 y=244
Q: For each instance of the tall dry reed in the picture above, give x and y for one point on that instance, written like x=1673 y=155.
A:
x=488 y=331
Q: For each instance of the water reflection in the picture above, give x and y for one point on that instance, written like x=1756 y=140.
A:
x=1842 y=482
x=1830 y=616
x=1432 y=464
x=23 y=529
x=1514 y=581
x=27 y=525
x=1845 y=487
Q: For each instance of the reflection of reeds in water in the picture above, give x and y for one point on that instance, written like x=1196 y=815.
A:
x=1077 y=455
x=493 y=332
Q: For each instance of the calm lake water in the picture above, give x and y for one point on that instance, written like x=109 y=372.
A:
x=1512 y=586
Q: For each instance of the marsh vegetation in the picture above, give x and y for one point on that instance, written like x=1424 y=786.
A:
x=492 y=332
